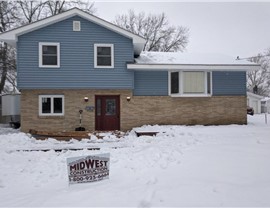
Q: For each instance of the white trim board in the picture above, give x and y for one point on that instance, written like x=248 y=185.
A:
x=96 y=45
x=193 y=67
x=40 y=55
x=52 y=106
x=181 y=82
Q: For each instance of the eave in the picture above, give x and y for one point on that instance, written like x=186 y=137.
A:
x=190 y=67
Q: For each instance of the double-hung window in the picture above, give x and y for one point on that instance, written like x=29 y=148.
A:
x=104 y=56
x=49 y=55
x=190 y=83
x=51 y=105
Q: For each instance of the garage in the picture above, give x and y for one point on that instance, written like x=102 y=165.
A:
x=254 y=101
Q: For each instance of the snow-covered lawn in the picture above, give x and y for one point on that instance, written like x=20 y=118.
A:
x=181 y=166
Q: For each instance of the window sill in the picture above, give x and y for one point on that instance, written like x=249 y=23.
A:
x=49 y=66
x=51 y=116
x=104 y=67
x=190 y=95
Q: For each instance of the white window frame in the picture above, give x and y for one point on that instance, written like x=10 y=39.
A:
x=181 y=83
x=41 y=44
x=95 y=54
x=52 y=106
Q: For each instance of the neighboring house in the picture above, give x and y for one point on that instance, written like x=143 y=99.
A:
x=265 y=105
x=1 y=117
x=75 y=61
x=254 y=101
x=10 y=107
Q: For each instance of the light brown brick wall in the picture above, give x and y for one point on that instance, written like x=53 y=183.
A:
x=139 y=111
x=185 y=110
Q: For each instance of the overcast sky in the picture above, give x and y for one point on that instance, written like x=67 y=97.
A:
x=232 y=28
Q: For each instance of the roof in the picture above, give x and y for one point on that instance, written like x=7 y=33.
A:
x=250 y=94
x=11 y=36
x=11 y=93
x=190 y=61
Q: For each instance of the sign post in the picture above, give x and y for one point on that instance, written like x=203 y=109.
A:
x=85 y=169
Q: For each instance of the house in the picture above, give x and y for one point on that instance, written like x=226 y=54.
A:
x=265 y=105
x=10 y=107
x=254 y=101
x=75 y=62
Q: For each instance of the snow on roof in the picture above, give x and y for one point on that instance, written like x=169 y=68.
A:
x=188 y=58
x=188 y=61
x=250 y=94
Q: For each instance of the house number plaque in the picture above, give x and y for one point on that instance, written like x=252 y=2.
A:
x=90 y=108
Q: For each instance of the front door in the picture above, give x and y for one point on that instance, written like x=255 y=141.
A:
x=107 y=112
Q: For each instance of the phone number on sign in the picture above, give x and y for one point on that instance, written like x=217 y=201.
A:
x=89 y=177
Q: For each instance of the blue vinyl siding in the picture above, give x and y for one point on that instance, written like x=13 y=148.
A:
x=76 y=58
x=154 y=83
x=229 y=83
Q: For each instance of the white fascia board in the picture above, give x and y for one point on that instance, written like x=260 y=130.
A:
x=11 y=36
x=171 y=67
x=138 y=47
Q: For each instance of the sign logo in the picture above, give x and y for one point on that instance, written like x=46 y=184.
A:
x=90 y=168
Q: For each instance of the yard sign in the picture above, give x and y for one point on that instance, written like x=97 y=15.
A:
x=90 y=168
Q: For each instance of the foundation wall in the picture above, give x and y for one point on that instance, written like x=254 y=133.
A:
x=140 y=110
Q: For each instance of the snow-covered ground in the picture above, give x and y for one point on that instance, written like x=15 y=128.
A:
x=181 y=166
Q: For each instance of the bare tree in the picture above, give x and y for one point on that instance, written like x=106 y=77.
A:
x=31 y=11
x=56 y=7
x=159 y=34
x=7 y=66
x=260 y=78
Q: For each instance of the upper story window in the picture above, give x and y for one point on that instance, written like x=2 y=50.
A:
x=104 y=56
x=51 y=105
x=49 y=55
x=190 y=83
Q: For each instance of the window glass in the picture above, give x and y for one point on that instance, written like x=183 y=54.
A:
x=104 y=61
x=49 y=55
x=208 y=83
x=98 y=107
x=51 y=105
x=191 y=83
x=49 y=50
x=49 y=60
x=110 y=107
x=104 y=51
x=194 y=82
x=175 y=82
x=57 y=105
x=46 y=105
x=104 y=56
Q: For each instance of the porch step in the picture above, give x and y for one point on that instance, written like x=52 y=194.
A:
x=58 y=149
x=146 y=133
x=42 y=135
x=65 y=136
